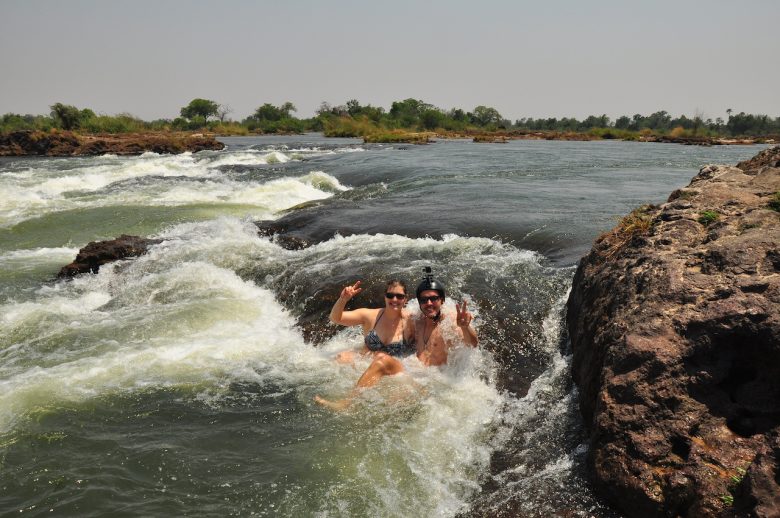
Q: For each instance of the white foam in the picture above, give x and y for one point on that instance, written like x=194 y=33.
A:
x=176 y=323
x=177 y=180
x=44 y=255
x=181 y=316
x=251 y=157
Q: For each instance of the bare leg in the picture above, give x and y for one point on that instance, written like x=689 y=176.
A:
x=383 y=365
x=345 y=357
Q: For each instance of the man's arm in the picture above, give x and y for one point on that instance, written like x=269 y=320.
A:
x=463 y=319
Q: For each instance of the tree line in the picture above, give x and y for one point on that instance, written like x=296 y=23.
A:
x=354 y=119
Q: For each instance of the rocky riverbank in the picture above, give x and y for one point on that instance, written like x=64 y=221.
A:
x=66 y=143
x=674 y=319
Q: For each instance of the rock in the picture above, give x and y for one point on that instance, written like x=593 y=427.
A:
x=674 y=320
x=66 y=143
x=95 y=254
x=278 y=232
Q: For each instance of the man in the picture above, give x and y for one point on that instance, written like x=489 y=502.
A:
x=435 y=331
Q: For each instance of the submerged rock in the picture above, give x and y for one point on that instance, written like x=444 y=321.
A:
x=96 y=254
x=674 y=319
x=66 y=143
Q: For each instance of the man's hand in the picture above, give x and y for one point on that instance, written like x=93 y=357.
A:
x=462 y=315
x=350 y=291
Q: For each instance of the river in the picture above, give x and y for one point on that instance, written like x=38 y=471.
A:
x=181 y=382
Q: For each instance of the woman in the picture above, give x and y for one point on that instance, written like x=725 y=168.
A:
x=388 y=333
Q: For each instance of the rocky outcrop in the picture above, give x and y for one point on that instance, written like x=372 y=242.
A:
x=674 y=319
x=66 y=143
x=95 y=254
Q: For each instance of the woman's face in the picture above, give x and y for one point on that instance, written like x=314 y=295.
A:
x=395 y=297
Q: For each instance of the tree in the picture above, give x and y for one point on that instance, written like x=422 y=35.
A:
x=66 y=116
x=269 y=112
x=325 y=107
x=408 y=111
x=458 y=115
x=353 y=107
x=659 y=120
x=484 y=115
x=698 y=120
x=223 y=112
x=432 y=119
x=200 y=108
x=595 y=122
x=286 y=110
x=622 y=122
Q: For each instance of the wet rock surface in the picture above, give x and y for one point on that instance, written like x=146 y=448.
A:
x=66 y=143
x=674 y=319
x=96 y=254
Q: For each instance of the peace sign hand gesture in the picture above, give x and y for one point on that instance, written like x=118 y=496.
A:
x=350 y=291
x=462 y=314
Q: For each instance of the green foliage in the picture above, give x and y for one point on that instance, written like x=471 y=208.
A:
x=613 y=133
x=15 y=122
x=432 y=119
x=737 y=479
x=727 y=499
x=395 y=136
x=122 y=123
x=636 y=224
x=348 y=127
x=708 y=217
x=774 y=203
x=484 y=116
x=200 y=110
x=274 y=119
x=269 y=112
x=754 y=125
x=68 y=117
x=410 y=115
x=229 y=128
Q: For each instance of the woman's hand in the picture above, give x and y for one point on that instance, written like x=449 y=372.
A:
x=350 y=291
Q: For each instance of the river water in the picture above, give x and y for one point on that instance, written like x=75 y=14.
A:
x=180 y=383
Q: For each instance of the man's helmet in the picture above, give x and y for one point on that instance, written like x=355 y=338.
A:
x=429 y=283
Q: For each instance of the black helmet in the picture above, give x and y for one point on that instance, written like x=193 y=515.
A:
x=429 y=283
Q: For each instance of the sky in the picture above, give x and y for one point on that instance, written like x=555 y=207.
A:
x=565 y=58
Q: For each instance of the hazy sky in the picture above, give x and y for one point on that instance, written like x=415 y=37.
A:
x=524 y=58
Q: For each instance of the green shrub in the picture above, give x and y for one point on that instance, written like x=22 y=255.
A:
x=708 y=217
x=774 y=203
x=636 y=224
x=397 y=136
x=122 y=123
x=349 y=127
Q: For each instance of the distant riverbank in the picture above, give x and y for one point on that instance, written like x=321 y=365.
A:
x=68 y=143
x=505 y=136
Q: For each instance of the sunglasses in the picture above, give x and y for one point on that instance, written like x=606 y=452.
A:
x=434 y=298
x=399 y=296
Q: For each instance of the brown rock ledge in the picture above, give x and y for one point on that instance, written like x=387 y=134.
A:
x=674 y=319
x=97 y=253
x=66 y=143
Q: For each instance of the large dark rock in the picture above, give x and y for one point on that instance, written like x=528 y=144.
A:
x=674 y=318
x=95 y=254
x=65 y=143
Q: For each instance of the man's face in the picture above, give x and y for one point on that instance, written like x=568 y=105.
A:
x=430 y=303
